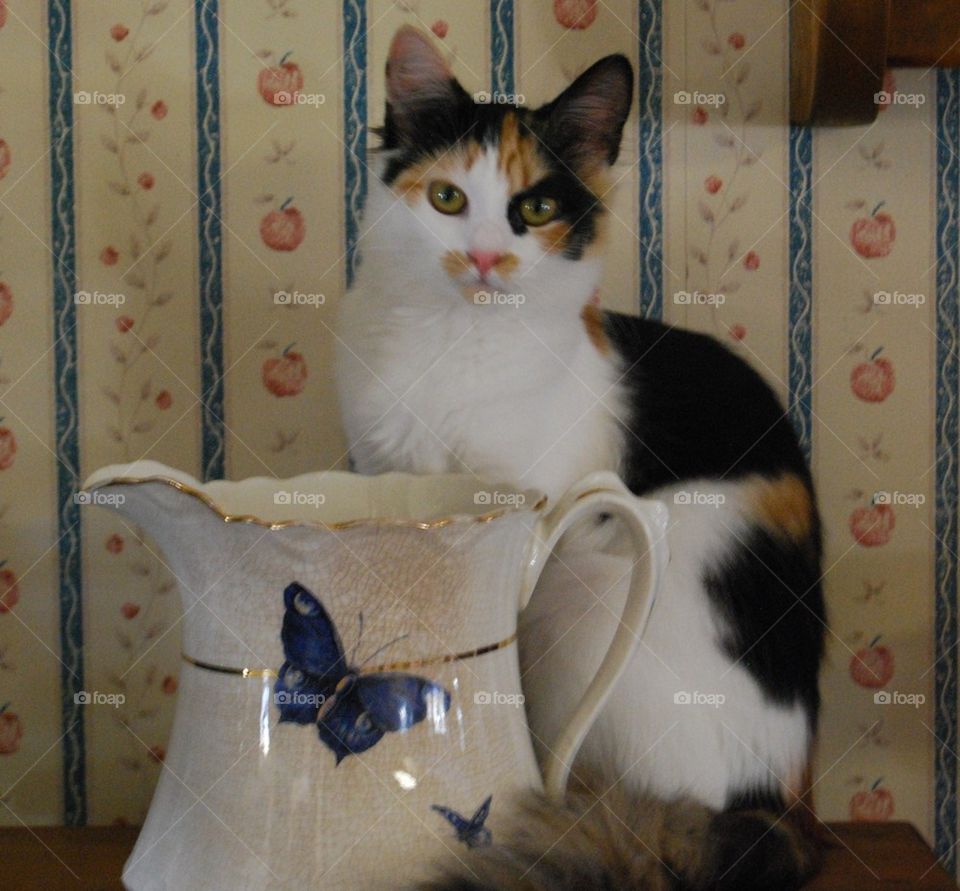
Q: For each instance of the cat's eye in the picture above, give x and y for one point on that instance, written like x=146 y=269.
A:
x=538 y=211
x=447 y=198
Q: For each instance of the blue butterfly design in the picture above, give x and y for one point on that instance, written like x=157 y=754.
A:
x=471 y=832
x=316 y=685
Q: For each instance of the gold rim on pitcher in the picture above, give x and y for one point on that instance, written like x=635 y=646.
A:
x=206 y=500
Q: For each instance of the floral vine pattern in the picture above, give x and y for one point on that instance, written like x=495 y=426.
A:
x=719 y=261
x=11 y=726
x=138 y=399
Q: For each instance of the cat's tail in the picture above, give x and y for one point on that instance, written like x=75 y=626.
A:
x=621 y=842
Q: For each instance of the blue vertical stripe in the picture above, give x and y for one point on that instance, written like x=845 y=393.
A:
x=354 y=126
x=503 y=75
x=63 y=234
x=947 y=440
x=211 y=239
x=800 y=307
x=650 y=166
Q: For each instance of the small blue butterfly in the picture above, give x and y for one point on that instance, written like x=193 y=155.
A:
x=471 y=832
x=316 y=685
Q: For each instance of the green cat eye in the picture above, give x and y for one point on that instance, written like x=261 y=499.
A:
x=538 y=211
x=446 y=197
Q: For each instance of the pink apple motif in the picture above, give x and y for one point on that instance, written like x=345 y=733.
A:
x=285 y=375
x=9 y=589
x=11 y=731
x=873 y=380
x=280 y=84
x=889 y=86
x=873 y=806
x=872 y=527
x=577 y=15
x=5 y=158
x=8 y=448
x=873 y=236
x=6 y=302
x=872 y=666
x=283 y=229
x=115 y=543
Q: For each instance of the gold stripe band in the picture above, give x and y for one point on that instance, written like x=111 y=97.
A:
x=378 y=669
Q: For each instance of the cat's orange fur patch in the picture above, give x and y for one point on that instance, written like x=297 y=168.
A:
x=553 y=237
x=456 y=263
x=519 y=157
x=783 y=506
x=592 y=317
x=412 y=183
x=506 y=265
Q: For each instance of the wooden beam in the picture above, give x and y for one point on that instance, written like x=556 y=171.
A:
x=838 y=57
x=925 y=33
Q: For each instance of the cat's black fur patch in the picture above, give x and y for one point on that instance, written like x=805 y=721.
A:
x=702 y=413
x=768 y=594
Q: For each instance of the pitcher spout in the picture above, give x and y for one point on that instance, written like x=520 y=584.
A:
x=127 y=489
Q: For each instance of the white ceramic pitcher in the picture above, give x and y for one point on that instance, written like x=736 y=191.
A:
x=350 y=706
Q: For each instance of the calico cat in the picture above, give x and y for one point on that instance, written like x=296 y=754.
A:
x=471 y=342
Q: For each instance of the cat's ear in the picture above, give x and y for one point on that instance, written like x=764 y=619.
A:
x=586 y=120
x=418 y=79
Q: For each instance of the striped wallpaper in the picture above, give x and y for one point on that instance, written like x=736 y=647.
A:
x=215 y=197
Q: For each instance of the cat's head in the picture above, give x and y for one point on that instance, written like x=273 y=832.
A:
x=505 y=198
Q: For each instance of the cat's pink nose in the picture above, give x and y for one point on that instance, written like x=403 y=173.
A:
x=484 y=260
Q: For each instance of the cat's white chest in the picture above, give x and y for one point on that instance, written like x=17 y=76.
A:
x=470 y=394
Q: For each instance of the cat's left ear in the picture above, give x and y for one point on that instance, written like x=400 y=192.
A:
x=418 y=80
x=586 y=120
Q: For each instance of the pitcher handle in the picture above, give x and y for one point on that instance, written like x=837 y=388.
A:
x=646 y=522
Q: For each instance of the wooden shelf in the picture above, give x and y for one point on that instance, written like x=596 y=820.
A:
x=840 y=50
x=865 y=857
